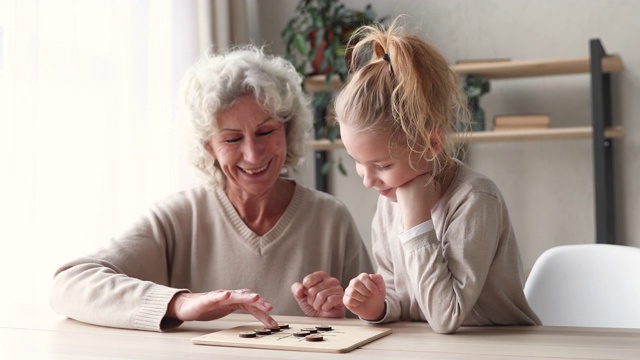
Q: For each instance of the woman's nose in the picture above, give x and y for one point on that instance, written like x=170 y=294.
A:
x=252 y=150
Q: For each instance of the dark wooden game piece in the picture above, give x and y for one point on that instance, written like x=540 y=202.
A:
x=314 y=337
x=263 y=331
x=247 y=334
x=301 y=333
x=324 y=327
x=275 y=329
x=283 y=326
x=310 y=330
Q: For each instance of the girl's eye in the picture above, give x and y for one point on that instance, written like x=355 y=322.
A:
x=383 y=167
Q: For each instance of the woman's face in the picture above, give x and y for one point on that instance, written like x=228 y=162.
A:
x=250 y=147
x=380 y=166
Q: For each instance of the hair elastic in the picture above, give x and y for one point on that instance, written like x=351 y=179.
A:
x=386 y=58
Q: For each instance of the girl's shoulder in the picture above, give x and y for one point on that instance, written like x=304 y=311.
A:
x=470 y=181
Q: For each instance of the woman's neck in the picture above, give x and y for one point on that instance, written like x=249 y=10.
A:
x=261 y=212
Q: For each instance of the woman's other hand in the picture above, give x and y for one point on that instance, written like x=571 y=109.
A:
x=319 y=295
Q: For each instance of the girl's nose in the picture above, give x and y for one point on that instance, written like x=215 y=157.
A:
x=368 y=179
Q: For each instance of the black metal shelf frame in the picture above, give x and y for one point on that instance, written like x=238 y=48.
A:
x=602 y=147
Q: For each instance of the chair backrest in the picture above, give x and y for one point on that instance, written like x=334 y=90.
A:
x=596 y=285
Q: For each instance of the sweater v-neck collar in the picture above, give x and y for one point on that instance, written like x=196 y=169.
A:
x=256 y=242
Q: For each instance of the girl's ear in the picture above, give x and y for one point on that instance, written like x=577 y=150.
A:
x=437 y=144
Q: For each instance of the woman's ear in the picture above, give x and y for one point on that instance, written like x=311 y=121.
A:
x=208 y=148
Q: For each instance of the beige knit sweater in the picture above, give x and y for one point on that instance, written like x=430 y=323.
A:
x=196 y=240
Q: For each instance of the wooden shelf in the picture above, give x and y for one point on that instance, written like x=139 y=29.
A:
x=500 y=70
x=523 y=68
x=583 y=132
x=316 y=83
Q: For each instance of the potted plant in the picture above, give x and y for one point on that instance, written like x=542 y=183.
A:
x=316 y=43
x=316 y=37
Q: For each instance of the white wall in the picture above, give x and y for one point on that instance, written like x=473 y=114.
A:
x=548 y=185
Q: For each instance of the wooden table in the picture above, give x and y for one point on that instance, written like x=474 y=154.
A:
x=38 y=333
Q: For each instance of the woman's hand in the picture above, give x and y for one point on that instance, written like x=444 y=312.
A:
x=365 y=296
x=416 y=198
x=319 y=295
x=220 y=303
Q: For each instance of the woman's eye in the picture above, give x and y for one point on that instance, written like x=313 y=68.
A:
x=263 y=133
x=232 y=140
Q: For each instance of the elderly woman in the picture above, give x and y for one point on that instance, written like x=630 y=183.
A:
x=249 y=239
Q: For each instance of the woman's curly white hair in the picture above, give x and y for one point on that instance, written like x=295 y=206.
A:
x=218 y=79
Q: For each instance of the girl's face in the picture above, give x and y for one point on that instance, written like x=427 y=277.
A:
x=250 y=147
x=382 y=166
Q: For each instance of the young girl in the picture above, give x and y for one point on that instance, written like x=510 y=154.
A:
x=442 y=239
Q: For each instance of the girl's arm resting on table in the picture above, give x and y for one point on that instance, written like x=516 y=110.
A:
x=449 y=274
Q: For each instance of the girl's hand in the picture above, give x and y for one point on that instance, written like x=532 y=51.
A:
x=416 y=198
x=365 y=296
x=220 y=303
x=319 y=295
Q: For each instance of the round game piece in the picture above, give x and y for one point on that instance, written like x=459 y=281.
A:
x=275 y=329
x=324 y=327
x=310 y=330
x=247 y=334
x=263 y=331
x=283 y=326
x=301 y=333
x=314 y=337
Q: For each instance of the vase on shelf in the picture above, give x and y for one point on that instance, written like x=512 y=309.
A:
x=477 y=115
x=474 y=87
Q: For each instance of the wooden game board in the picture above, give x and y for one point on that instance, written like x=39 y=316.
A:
x=339 y=339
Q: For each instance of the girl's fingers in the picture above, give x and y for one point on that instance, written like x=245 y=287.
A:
x=365 y=285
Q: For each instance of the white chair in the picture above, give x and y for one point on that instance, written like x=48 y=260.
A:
x=595 y=285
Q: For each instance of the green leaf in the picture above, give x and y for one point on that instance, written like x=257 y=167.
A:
x=332 y=133
x=319 y=37
x=328 y=55
x=325 y=62
x=287 y=35
x=369 y=14
x=326 y=167
x=301 y=44
x=343 y=170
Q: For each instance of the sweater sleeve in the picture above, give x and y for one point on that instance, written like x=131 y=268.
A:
x=384 y=261
x=124 y=284
x=449 y=273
